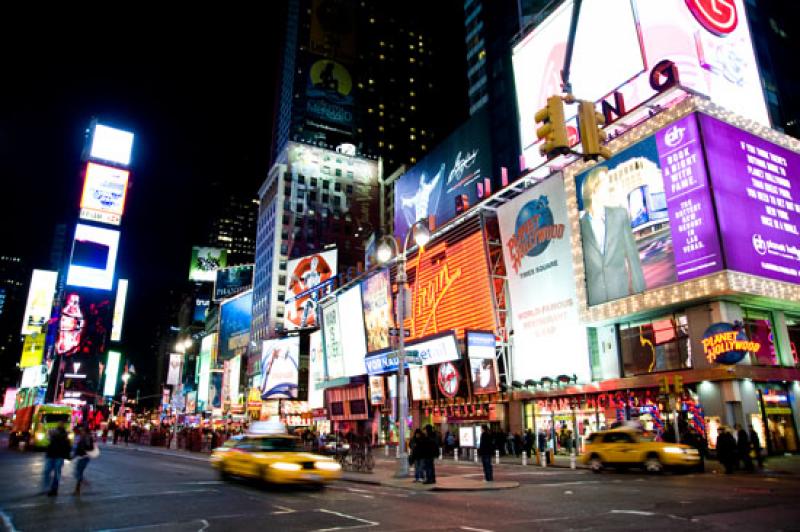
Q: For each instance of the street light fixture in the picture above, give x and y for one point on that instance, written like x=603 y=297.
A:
x=388 y=248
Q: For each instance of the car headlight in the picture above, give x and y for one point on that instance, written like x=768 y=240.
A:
x=285 y=466
x=327 y=466
x=673 y=450
x=692 y=451
x=39 y=436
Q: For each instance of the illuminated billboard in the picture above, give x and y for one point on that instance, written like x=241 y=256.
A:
x=334 y=354
x=94 y=257
x=111 y=144
x=279 y=368
x=482 y=362
x=205 y=263
x=112 y=373
x=39 y=305
x=104 y=191
x=449 y=180
x=420 y=383
x=119 y=310
x=206 y=358
x=721 y=65
x=377 y=294
x=234 y=326
x=84 y=323
x=308 y=279
x=646 y=216
x=537 y=250
x=32 y=350
x=354 y=342
x=232 y=281
x=316 y=370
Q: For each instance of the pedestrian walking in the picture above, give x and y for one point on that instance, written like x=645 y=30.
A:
x=743 y=448
x=431 y=448
x=485 y=451
x=415 y=458
x=726 y=450
x=57 y=451
x=755 y=443
x=81 y=454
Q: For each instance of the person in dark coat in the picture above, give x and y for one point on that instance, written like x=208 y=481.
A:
x=726 y=450
x=743 y=448
x=431 y=451
x=755 y=443
x=527 y=442
x=485 y=451
x=694 y=439
x=84 y=443
x=58 y=450
x=415 y=458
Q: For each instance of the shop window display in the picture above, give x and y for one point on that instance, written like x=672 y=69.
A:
x=793 y=326
x=654 y=346
x=758 y=325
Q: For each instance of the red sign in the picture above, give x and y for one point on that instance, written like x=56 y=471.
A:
x=448 y=378
x=717 y=16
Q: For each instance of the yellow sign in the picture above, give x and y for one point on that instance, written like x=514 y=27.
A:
x=725 y=342
x=32 y=350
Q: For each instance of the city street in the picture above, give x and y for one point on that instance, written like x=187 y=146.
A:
x=141 y=488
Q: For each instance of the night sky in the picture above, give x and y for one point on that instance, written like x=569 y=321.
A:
x=198 y=94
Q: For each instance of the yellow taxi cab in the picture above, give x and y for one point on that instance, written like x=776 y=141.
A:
x=625 y=447
x=274 y=457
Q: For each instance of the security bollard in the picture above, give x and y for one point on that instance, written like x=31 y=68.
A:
x=441 y=454
x=543 y=458
x=497 y=458
x=524 y=458
x=572 y=460
x=386 y=450
x=455 y=454
x=475 y=455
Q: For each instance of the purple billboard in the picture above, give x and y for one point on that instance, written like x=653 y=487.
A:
x=646 y=216
x=758 y=209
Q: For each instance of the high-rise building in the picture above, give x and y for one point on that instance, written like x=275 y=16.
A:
x=313 y=198
x=14 y=279
x=234 y=228
x=373 y=74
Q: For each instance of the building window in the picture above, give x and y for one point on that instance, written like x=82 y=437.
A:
x=759 y=326
x=657 y=345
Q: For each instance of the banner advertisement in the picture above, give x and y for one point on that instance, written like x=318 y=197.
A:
x=377 y=391
x=232 y=281
x=646 y=216
x=354 y=341
x=442 y=348
x=191 y=402
x=34 y=376
x=174 y=371
x=449 y=180
x=334 y=355
x=94 y=257
x=548 y=336
x=112 y=373
x=420 y=385
x=104 y=190
x=279 y=368
x=201 y=306
x=234 y=327
x=316 y=370
x=205 y=359
x=377 y=294
x=39 y=305
x=329 y=95
x=32 y=350
x=711 y=48
x=215 y=390
x=757 y=189
x=84 y=323
x=481 y=348
x=205 y=263
x=308 y=279
x=119 y=310
x=233 y=380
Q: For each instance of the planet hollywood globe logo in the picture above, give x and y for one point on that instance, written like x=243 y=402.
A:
x=727 y=343
x=534 y=228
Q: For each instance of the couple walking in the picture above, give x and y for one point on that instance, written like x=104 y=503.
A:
x=59 y=449
x=424 y=450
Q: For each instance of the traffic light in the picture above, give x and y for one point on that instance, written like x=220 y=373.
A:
x=664 y=386
x=554 y=129
x=590 y=125
x=677 y=382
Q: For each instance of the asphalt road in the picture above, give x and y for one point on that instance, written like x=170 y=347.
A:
x=138 y=490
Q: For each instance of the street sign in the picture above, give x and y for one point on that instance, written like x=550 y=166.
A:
x=412 y=357
x=394 y=331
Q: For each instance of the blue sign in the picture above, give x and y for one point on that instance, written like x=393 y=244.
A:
x=232 y=281
x=234 y=327
x=726 y=343
x=450 y=180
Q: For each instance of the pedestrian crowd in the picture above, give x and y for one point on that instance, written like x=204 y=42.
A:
x=737 y=448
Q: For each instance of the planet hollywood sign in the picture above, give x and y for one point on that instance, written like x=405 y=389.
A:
x=726 y=343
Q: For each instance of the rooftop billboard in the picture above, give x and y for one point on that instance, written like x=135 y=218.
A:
x=234 y=326
x=39 y=305
x=104 y=191
x=205 y=263
x=94 y=257
x=111 y=144
x=307 y=278
x=232 y=280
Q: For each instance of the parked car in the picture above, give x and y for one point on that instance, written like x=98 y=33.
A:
x=624 y=447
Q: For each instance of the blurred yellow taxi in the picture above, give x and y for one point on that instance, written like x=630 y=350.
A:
x=274 y=458
x=628 y=448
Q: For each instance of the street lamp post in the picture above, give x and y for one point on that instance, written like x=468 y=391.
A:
x=386 y=250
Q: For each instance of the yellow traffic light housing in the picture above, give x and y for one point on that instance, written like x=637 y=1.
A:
x=677 y=382
x=590 y=125
x=664 y=385
x=554 y=128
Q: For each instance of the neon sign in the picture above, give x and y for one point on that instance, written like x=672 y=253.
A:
x=725 y=343
x=717 y=16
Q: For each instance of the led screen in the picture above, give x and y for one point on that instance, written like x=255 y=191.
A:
x=377 y=296
x=308 y=278
x=104 y=191
x=94 y=257
x=234 y=326
x=316 y=370
x=232 y=281
x=32 y=350
x=205 y=263
x=119 y=310
x=721 y=65
x=646 y=216
x=279 y=368
x=84 y=323
x=111 y=144
x=39 y=305
x=112 y=373
x=354 y=342
x=482 y=362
